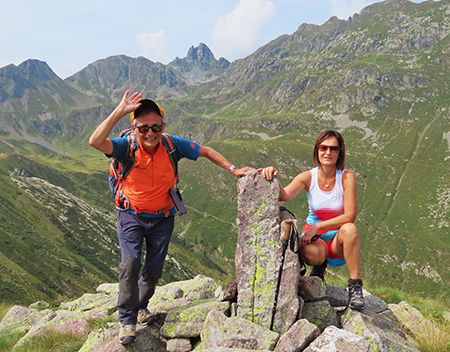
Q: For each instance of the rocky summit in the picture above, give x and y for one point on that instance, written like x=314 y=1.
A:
x=202 y=316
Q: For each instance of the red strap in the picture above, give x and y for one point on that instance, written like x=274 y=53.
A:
x=169 y=141
x=132 y=145
x=320 y=232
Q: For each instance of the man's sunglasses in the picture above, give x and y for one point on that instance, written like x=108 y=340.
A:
x=144 y=129
x=334 y=149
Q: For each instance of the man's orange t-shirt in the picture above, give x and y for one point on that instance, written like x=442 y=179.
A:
x=148 y=184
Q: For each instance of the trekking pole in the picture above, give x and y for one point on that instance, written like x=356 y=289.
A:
x=287 y=233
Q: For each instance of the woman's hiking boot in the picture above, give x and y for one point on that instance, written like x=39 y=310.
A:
x=127 y=334
x=319 y=270
x=355 y=293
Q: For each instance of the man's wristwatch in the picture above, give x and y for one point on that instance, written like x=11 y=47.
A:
x=232 y=167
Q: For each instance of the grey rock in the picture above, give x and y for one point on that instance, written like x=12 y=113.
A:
x=88 y=301
x=311 y=288
x=336 y=295
x=64 y=322
x=224 y=349
x=22 y=319
x=320 y=313
x=220 y=331
x=147 y=339
x=377 y=330
x=179 y=345
x=375 y=303
x=41 y=305
x=409 y=318
x=229 y=292
x=299 y=336
x=97 y=337
x=109 y=289
x=187 y=321
x=338 y=340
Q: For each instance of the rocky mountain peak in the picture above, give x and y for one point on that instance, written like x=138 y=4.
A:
x=198 y=63
x=202 y=53
x=28 y=70
x=16 y=81
x=36 y=69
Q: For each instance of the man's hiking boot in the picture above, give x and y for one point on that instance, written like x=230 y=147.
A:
x=127 y=334
x=145 y=317
x=319 y=270
x=355 y=293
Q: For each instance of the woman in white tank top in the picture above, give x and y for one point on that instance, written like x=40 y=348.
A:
x=330 y=235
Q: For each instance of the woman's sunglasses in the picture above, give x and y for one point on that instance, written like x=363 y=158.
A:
x=144 y=129
x=334 y=149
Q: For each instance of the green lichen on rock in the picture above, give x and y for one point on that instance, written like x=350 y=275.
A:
x=234 y=332
x=187 y=321
x=320 y=313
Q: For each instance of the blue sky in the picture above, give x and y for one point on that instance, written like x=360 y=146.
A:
x=69 y=35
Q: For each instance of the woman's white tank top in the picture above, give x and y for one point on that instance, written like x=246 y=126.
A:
x=324 y=205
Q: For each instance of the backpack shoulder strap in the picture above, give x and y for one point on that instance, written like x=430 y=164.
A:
x=131 y=158
x=169 y=144
x=118 y=171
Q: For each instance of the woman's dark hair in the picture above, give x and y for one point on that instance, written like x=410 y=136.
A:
x=340 y=163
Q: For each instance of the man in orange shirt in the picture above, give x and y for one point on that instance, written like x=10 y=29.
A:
x=151 y=211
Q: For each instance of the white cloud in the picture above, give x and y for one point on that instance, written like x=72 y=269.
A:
x=153 y=46
x=237 y=32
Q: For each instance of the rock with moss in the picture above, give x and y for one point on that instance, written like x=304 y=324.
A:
x=320 y=313
x=40 y=305
x=258 y=256
x=336 y=295
x=96 y=337
x=21 y=319
x=187 y=321
x=220 y=331
x=408 y=317
x=224 y=349
x=378 y=306
x=147 y=339
x=299 y=336
x=334 y=339
x=179 y=345
x=200 y=287
x=380 y=332
x=311 y=288
x=76 y=322
x=109 y=289
x=89 y=301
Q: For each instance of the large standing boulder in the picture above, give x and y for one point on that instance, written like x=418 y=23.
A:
x=258 y=256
